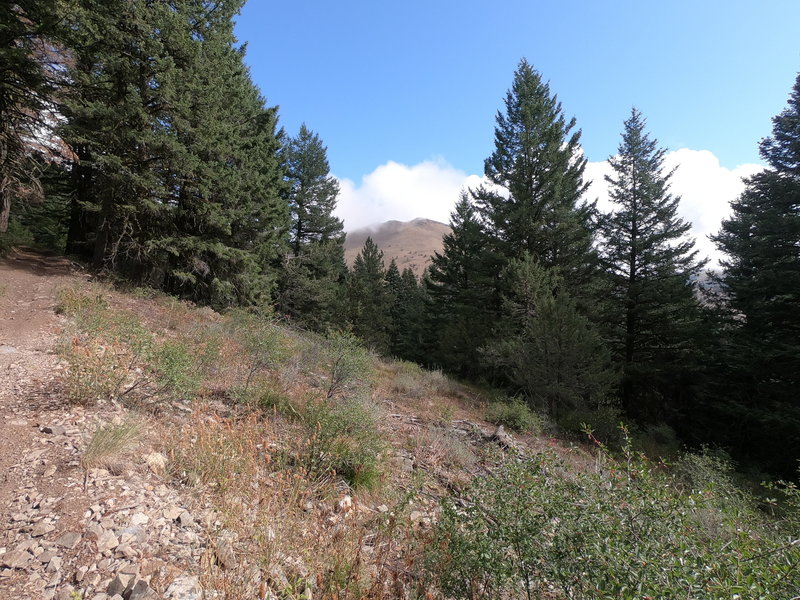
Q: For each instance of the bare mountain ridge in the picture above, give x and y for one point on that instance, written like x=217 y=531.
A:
x=411 y=243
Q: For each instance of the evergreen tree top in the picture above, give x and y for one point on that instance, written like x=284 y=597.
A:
x=782 y=149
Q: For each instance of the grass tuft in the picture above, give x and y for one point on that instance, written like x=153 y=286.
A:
x=111 y=443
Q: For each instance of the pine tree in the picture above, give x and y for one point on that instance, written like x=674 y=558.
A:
x=653 y=313
x=537 y=162
x=462 y=304
x=409 y=327
x=309 y=287
x=178 y=182
x=368 y=298
x=546 y=349
x=27 y=86
x=760 y=281
x=313 y=191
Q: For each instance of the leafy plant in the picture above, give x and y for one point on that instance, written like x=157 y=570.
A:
x=343 y=439
x=516 y=415
x=625 y=530
x=348 y=363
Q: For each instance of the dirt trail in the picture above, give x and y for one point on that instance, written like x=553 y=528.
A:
x=29 y=329
x=32 y=463
x=65 y=530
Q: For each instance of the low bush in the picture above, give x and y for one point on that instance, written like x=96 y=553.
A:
x=348 y=365
x=658 y=442
x=539 y=529
x=604 y=423
x=260 y=341
x=343 y=439
x=516 y=415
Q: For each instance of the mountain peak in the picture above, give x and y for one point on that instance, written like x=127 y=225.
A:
x=409 y=243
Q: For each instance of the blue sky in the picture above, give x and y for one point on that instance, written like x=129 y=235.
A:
x=418 y=83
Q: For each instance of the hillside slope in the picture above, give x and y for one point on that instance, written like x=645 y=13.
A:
x=410 y=243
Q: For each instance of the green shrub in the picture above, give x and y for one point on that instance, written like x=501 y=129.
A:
x=260 y=339
x=348 y=364
x=272 y=399
x=658 y=442
x=343 y=439
x=175 y=368
x=516 y=415
x=540 y=529
x=604 y=422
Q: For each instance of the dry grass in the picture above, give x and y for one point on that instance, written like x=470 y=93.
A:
x=110 y=444
x=291 y=532
x=265 y=465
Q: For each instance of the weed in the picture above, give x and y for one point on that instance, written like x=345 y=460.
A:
x=437 y=446
x=516 y=415
x=344 y=440
x=109 y=443
x=348 y=364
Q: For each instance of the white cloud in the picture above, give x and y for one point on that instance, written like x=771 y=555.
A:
x=429 y=189
x=706 y=189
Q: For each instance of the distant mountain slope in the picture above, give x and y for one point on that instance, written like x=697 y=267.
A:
x=411 y=244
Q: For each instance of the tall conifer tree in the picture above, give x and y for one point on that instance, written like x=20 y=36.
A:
x=653 y=314
x=538 y=166
x=368 y=299
x=760 y=282
x=27 y=85
x=462 y=304
x=314 y=270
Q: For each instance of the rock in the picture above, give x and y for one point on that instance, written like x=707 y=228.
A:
x=127 y=551
x=95 y=531
x=107 y=541
x=54 y=564
x=502 y=437
x=46 y=557
x=49 y=471
x=15 y=559
x=80 y=573
x=41 y=528
x=344 y=505
x=119 y=584
x=54 y=580
x=225 y=555
x=65 y=593
x=172 y=513
x=186 y=519
x=132 y=534
x=185 y=587
x=54 y=429
x=157 y=462
x=140 y=591
x=383 y=508
x=69 y=540
x=139 y=519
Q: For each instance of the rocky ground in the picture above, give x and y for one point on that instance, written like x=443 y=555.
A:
x=66 y=532
x=70 y=530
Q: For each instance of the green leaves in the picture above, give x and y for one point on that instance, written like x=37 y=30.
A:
x=625 y=530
